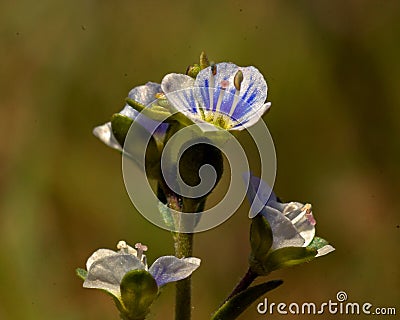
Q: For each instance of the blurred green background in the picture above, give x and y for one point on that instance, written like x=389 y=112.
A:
x=334 y=76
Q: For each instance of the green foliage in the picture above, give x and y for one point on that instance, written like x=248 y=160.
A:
x=81 y=273
x=120 y=125
x=317 y=243
x=232 y=308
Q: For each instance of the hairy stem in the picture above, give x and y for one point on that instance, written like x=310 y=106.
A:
x=183 y=248
x=243 y=284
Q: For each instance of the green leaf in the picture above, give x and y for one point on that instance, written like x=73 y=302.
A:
x=318 y=243
x=260 y=237
x=138 y=291
x=81 y=273
x=287 y=257
x=120 y=125
x=237 y=304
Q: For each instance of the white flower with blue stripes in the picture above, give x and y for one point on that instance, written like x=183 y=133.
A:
x=225 y=95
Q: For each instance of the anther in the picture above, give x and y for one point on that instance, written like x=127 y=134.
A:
x=237 y=81
x=140 y=248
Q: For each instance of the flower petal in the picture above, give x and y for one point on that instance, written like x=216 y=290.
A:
x=169 y=268
x=325 y=250
x=97 y=255
x=145 y=94
x=299 y=215
x=178 y=89
x=259 y=194
x=284 y=232
x=252 y=118
x=104 y=133
x=106 y=273
x=252 y=94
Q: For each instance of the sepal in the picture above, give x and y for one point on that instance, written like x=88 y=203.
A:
x=287 y=257
x=138 y=291
x=260 y=238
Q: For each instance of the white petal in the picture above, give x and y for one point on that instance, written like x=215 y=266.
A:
x=104 y=133
x=325 y=250
x=296 y=212
x=107 y=273
x=97 y=255
x=283 y=230
x=178 y=89
x=145 y=94
x=169 y=268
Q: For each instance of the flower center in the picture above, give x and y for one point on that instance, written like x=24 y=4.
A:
x=218 y=118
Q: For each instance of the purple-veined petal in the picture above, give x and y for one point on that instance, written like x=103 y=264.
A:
x=178 y=89
x=252 y=94
x=252 y=117
x=107 y=273
x=259 y=193
x=169 y=268
x=104 y=133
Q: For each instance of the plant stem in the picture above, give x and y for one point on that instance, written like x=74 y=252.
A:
x=243 y=284
x=183 y=245
x=183 y=306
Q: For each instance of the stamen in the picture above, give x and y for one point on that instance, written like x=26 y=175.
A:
x=140 y=248
x=213 y=69
x=125 y=248
x=211 y=86
x=224 y=85
x=309 y=214
x=237 y=81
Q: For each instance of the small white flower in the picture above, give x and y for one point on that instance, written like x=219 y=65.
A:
x=225 y=95
x=145 y=95
x=106 y=268
x=292 y=224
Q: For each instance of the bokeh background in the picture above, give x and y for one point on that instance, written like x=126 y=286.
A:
x=334 y=76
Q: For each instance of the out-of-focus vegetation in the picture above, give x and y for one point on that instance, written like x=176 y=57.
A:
x=334 y=76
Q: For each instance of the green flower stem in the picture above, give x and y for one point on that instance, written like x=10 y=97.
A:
x=183 y=243
x=243 y=284
x=183 y=248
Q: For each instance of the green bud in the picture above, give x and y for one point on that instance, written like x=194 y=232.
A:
x=204 y=63
x=138 y=291
x=193 y=71
x=192 y=159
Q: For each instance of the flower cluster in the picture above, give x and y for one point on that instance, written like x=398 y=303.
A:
x=217 y=98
